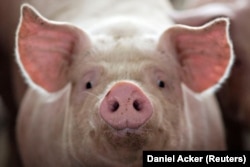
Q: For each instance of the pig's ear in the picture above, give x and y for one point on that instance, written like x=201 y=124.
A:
x=204 y=53
x=45 y=49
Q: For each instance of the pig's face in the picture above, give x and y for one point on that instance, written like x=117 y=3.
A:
x=126 y=92
x=106 y=69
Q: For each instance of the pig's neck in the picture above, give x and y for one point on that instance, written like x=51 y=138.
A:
x=93 y=13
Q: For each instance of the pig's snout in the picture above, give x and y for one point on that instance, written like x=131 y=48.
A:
x=125 y=107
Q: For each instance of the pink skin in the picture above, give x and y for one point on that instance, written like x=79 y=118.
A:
x=98 y=101
x=125 y=106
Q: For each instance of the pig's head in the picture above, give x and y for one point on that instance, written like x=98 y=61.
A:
x=126 y=91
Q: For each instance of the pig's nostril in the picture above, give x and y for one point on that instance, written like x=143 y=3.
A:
x=115 y=106
x=137 y=105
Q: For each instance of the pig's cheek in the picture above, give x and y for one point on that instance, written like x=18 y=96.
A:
x=168 y=112
x=83 y=127
x=82 y=112
x=166 y=119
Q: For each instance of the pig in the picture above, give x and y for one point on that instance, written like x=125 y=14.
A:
x=109 y=81
x=234 y=97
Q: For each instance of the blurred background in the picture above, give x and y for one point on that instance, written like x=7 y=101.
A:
x=9 y=14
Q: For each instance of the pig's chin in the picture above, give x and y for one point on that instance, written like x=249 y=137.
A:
x=123 y=146
x=127 y=138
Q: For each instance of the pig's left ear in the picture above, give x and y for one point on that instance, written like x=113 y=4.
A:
x=203 y=53
x=45 y=50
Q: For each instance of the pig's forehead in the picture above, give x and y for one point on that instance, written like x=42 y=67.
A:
x=126 y=43
x=124 y=55
x=125 y=49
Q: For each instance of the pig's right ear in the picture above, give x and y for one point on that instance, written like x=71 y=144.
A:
x=45 y=50
x=204 y=53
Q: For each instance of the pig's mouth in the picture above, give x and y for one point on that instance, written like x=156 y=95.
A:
x=127 y=138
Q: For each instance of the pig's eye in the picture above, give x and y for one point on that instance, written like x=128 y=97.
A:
x=88 y=85
x=161 y=84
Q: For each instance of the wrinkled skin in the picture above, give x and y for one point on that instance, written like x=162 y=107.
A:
x=234 y=96
x=59 y=122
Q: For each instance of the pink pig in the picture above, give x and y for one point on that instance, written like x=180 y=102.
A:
x=105 y=86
